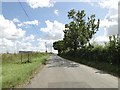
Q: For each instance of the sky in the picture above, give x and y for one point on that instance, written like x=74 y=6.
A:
x=34 y=24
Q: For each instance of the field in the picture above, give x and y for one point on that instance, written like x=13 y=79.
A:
x=15 y=72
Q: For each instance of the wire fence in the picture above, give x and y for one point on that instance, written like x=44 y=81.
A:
x=20 y=57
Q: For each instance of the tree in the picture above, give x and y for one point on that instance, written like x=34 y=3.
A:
x=59 y=45
x=79 y=31
x=114 y=49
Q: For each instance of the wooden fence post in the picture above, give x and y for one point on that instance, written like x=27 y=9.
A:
x=28 y=57
x=21 y=57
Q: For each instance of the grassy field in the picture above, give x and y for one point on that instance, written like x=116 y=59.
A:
x=14 y=73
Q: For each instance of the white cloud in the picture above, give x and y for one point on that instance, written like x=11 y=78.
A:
x=43 y=43
x=40 y=3
x=110 y=22
x=101 y=39
x=5 y=42
x=110 y=4
x=112 y=30
x=107 y=23
x=6 y=45
x=56 y=12
x=16 y=20
x=34 y=22
x=25 y=46
x=9 y=34
x=53 y=31
x=13 y=39
x=30 y=38
x=8 y=29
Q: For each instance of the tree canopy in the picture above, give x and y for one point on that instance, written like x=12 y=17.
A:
x=80 y=30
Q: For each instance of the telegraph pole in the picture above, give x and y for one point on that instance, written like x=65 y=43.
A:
x=46 y=47
x=51 y=49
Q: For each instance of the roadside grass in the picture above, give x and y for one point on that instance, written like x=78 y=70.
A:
x=104 y=66
x=16 y=58
x=14 y=74
x=0 y=71
x=0 y=75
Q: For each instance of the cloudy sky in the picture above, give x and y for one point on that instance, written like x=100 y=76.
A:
x=28 y=25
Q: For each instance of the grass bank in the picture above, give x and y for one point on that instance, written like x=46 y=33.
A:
x=104 y=66
x=14 y=74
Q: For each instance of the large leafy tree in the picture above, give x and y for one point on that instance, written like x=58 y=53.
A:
x=59 y=45
x=80 y=30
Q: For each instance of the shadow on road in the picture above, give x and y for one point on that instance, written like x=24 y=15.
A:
x=60 y=62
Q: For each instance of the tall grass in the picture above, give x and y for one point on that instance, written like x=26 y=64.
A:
x=14 y=73
x=16 y=58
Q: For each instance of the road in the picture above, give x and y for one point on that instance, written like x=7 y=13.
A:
x=62 y=73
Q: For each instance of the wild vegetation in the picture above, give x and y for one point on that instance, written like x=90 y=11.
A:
x=76 y=43
x=15 y=73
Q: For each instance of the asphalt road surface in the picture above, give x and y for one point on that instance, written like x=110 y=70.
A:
x=62 y=73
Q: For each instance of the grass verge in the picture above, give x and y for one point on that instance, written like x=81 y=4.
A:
x=14 y=74
x=108 y=68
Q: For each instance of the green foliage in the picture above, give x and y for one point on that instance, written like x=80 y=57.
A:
x=114 y=49
x=76 y=42
x=59 y=45
x=79 y=31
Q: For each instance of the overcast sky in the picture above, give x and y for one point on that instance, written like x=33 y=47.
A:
x=44 y=21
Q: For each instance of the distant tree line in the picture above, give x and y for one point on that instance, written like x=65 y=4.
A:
x=77 y=36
